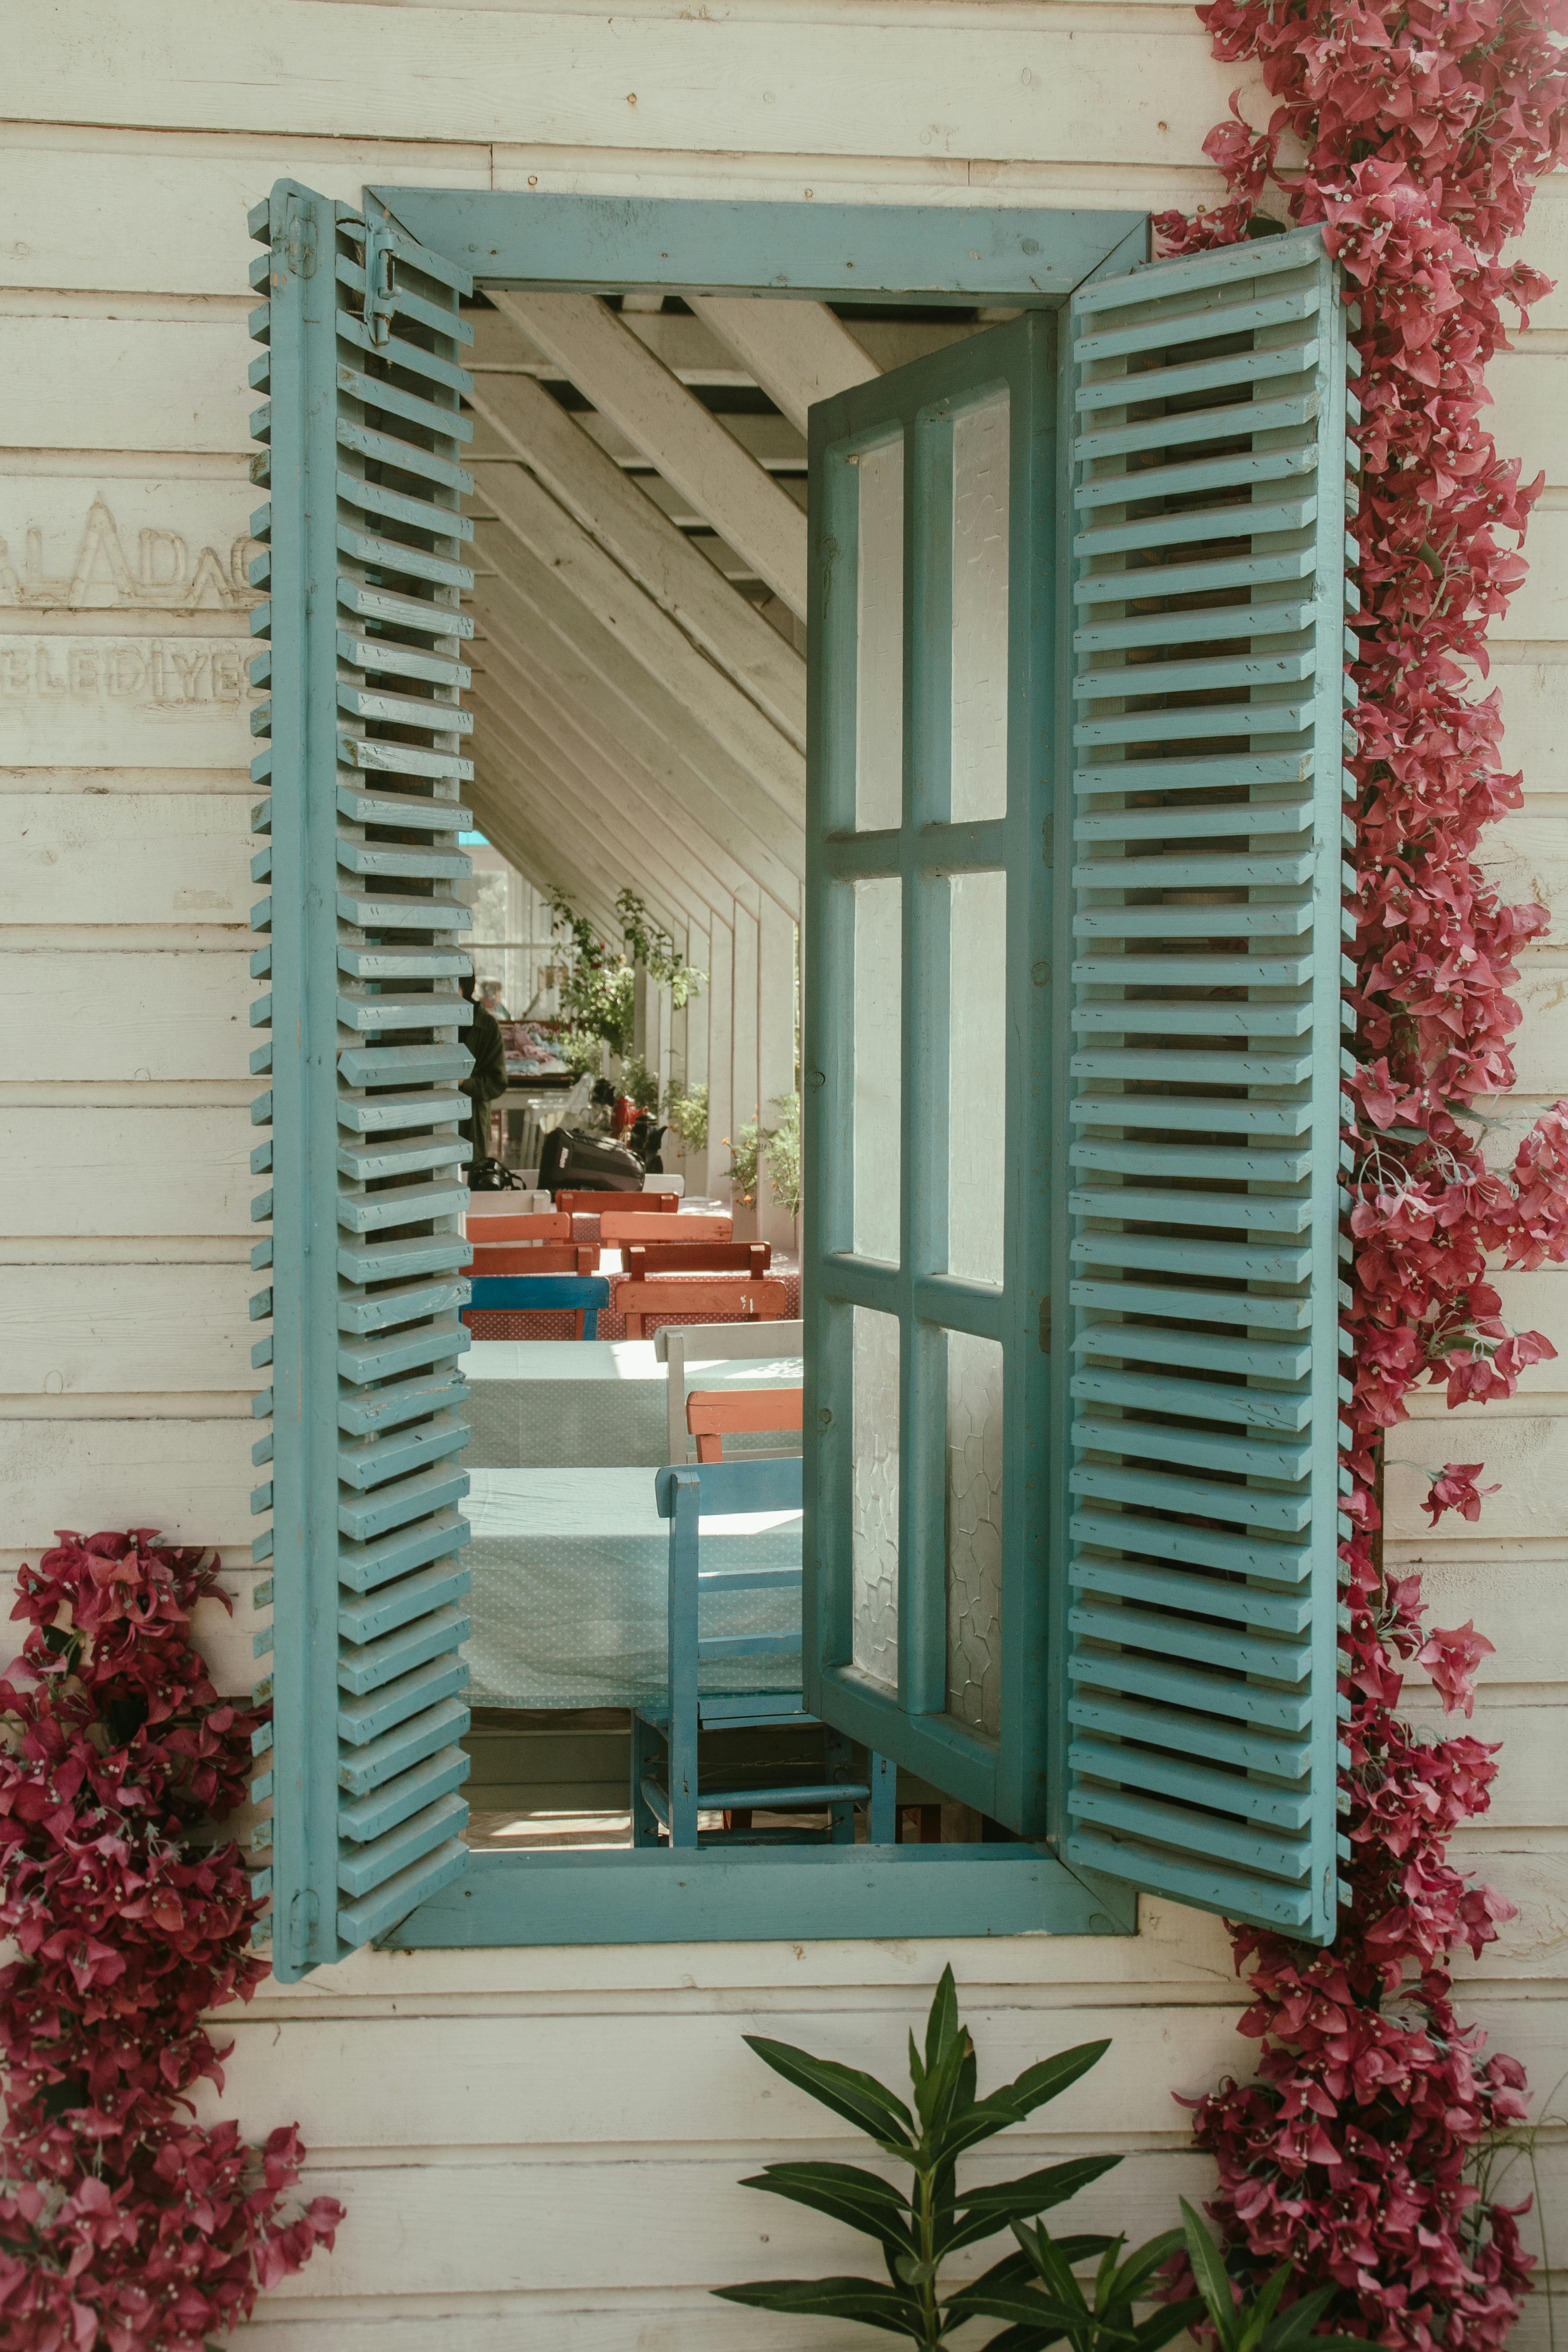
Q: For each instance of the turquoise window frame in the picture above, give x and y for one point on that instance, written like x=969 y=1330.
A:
x=1004 y=256
x=1003 y=1776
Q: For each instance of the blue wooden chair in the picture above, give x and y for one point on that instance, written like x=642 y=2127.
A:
x=668 y=1734
x=582 y=1295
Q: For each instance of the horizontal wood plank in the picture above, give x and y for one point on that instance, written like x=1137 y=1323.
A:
x=131 y=702
x=128 y=384
x=596 y=2078
x=666 y=81
x=66 y=203
x=83 y=1015
x=148 y=544
x=189 y=1479
x=658 y=2221
x=125 y=857
x=1534 y=702
x=1539 y=608
x=95 y=1172
x=123 y=1330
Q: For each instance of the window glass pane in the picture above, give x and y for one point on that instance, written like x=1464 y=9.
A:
x=878 y=1089
x=879 y=669
x=977 y=1070
x=874 y=1645
x=980 y=611
x=974 y=1531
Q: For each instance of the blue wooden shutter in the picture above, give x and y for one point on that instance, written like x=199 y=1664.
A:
x=362 y=1025
x=1209 y=591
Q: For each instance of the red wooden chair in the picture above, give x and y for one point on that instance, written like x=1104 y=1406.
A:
x=531 y=1245
x=641 y=1258
x=713 y=1414
x=549 y=1227
x=617 y=1226
x=591 y=1204
x=731 y=1297
x=535 y=1257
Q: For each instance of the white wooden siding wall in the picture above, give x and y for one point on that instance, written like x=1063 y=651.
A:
x=538 y=2149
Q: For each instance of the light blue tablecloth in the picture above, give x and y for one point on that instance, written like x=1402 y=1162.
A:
x=570 y=1574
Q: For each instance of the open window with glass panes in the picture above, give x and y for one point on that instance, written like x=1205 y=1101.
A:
x=953 y=676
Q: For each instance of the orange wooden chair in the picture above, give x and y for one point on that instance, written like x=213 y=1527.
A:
x=531 y=1245
x=731 y=1297
x=535 y=1257
x=617 y=1226
x=713 y=1414
x=593 y=1204
x=696 y=1257
x=549 y=1227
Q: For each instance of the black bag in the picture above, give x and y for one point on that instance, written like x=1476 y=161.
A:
x=646 y=1141
x=490 y=1176
x=575 y=1160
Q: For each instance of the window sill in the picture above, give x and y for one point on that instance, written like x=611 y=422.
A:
x=762 y=1895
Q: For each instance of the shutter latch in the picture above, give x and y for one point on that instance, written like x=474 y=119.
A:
x=380 y=281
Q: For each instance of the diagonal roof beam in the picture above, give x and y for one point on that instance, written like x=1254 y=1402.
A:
x=527 y=815
x=497 y=816
x=523 y=603
x=799 y=352
x=558 y=780
x=621 y=791
x=621 y=377
x=557 y=813
x=580 y=566
x=523 y=420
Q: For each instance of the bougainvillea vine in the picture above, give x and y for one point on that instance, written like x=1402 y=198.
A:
x=1411 y=131
x=125 y=2224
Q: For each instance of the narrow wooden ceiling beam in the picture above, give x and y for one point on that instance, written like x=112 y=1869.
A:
x=710 y=696
x=621 y=377
x=501 y=820
x=517 y=797
x=622 y=829
x=619 y=783
x=799 y=352
x=522 y=601
x=522 y=420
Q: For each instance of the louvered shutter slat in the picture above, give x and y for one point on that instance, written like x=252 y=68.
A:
x=1208 y=463
x=362 y=532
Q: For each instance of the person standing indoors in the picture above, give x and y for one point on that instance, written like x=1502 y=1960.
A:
x=487 y=1079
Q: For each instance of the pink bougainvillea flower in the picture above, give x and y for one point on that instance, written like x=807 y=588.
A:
x=1454 y=1488
x=1413 y=131
x=1451 y=1657
x=123 y=2224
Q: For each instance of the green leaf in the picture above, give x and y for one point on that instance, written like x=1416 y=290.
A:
x=1024 y=2339
x=860 y=2098
x=982 y=2120
x=834 y=2298
x=1212 y=2277
x=1025 y=2307
x=1051 y=2263
x=1294 y=2326
x=941 y=2025
x=939 y=2099
x=846 y=2193
x=984 y=2211
x=1136 y=2273
x=1035 y=2085
x=1170 y=2320
x=1258 y=2319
